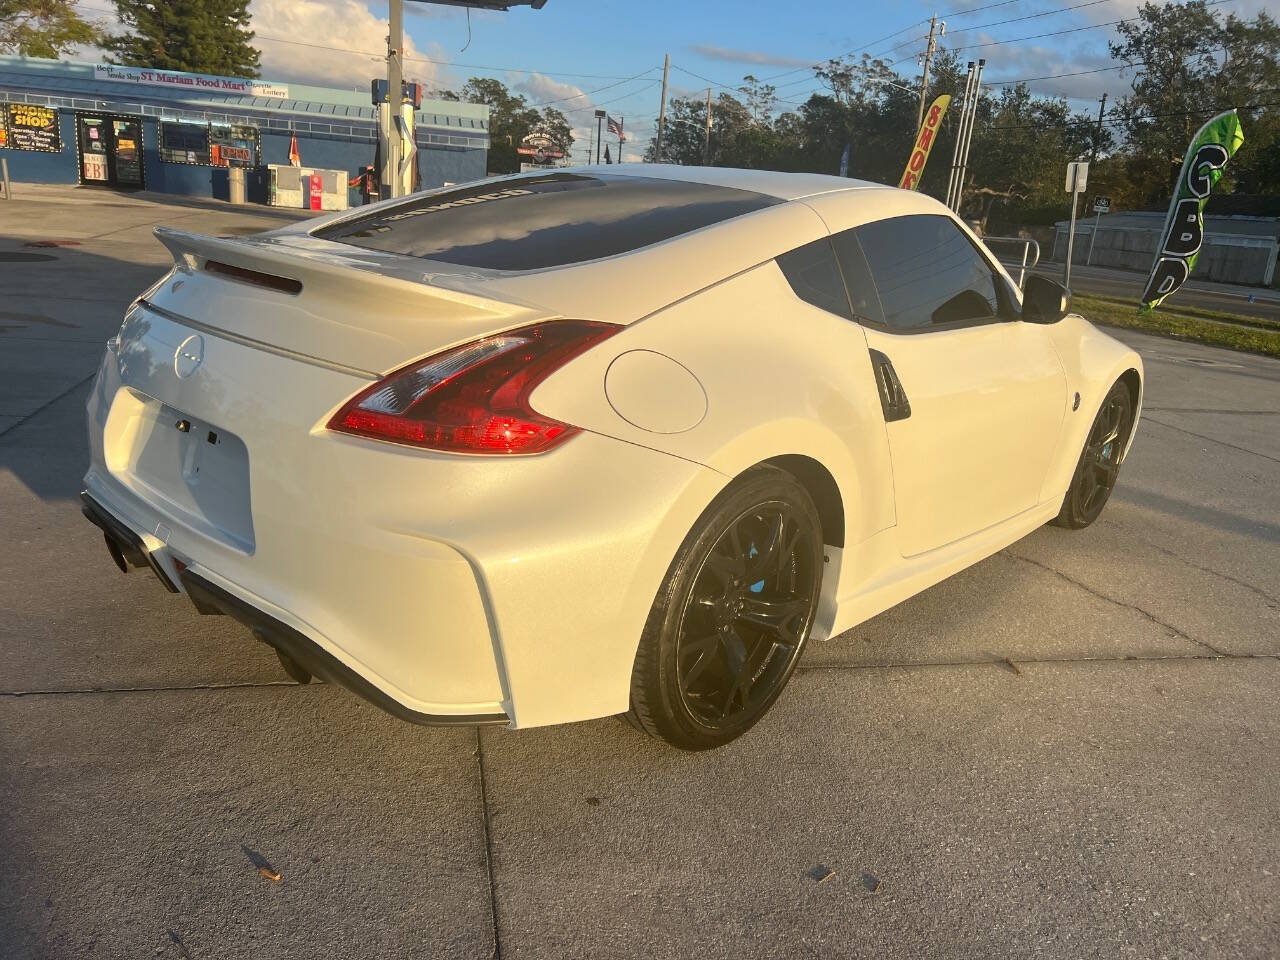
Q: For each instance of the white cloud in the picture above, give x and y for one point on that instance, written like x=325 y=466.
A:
x=757 y=57
x=342 y=23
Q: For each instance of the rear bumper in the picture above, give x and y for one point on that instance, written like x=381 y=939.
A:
x=128 y=549
x=449 y=586
x=209 y=598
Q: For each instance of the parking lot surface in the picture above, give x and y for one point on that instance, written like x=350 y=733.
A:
x=1070 y=750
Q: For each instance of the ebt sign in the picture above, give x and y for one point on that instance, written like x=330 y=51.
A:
x=191 y=81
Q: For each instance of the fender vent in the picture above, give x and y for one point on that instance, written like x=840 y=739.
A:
x=268 y=280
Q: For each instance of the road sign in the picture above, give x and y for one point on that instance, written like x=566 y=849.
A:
x=1077 y=176
x=1101 y=204
x=1077 y=180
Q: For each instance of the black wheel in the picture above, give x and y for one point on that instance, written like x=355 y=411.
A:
x=1099 y=465
x=732 y=616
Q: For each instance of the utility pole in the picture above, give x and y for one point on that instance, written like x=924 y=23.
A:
x=928 y=59
x=1093 y=155
x=389 y=175
x=662 y=109
x=599 y=133
x=1102 y=109
x=706 y=143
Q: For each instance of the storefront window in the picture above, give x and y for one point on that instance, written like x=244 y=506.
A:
x=184 y=143
x=207 y=144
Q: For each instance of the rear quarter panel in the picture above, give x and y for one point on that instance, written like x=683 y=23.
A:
x=780 y=377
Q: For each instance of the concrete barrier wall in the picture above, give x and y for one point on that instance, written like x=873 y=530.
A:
x=1223 y=258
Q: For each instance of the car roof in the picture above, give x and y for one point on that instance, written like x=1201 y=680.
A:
x=784 y=186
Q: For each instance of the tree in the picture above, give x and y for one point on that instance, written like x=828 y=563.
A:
x=199 y=36
x=554 y=125
x=1019 y=149
x=511 y=119
x=1188 y=65
x=43 y=28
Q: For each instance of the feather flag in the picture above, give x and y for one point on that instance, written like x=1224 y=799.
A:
x=295 y=159
x=1213 y=145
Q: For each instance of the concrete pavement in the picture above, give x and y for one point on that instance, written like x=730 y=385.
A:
x=1071 y=749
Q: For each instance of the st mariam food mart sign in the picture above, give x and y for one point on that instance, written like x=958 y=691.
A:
x=145 y=76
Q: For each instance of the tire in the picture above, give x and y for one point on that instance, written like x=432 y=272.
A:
x=731 y=619
x=1099 y=464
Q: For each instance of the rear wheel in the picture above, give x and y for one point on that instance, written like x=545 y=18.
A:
x=732 y=617
x=1099 y=464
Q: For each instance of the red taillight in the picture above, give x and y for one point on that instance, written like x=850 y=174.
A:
x=474 y=398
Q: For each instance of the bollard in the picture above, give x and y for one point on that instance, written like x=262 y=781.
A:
x=235 y=184
x=4 y=175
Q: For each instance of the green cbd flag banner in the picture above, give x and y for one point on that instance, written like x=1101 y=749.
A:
x=1215 y=144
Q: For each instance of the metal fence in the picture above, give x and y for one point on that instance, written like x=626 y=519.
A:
x=1018 y=255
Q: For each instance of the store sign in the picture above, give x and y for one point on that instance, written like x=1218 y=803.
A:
x=4 y=127
x=541 y=147
x=188 y=81
x=33 y=127
x=95 y=166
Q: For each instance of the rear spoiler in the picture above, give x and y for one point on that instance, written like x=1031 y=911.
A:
x=365 y=310
x=294 y=262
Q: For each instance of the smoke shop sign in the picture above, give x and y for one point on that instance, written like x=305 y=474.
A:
x=188 y=81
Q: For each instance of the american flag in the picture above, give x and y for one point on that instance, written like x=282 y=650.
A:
x=615 y=127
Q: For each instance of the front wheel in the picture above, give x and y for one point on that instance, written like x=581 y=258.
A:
x=1099 y=464
x=731 y=618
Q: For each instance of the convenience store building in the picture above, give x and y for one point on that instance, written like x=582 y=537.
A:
x=173 y=132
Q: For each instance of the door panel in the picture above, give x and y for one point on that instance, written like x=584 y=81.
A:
x=127 y=148
x=974 y=415
x=986 y=408
x=94 y=149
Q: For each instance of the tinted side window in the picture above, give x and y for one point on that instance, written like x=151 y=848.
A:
x=857 y=277
x=927 y=272
x=814 y=276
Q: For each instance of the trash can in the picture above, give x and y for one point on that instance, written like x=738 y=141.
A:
x=235 y=181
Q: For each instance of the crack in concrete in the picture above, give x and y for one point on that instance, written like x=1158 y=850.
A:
x=833 y=665
x=48 y=403
x=1005 y=662
x=1201 y=436
x=1119 y=603
x=488 y=847
x=1271 y=601
x=1263 y=413
x=174 y=688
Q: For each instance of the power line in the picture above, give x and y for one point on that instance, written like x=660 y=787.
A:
x=1033 y=16
x=1058 y=33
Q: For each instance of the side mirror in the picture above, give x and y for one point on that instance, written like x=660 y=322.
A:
x=1044 y=301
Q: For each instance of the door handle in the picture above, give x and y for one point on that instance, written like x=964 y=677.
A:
x=893 y=398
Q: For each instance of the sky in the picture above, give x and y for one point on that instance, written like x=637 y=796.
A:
x=579 y=55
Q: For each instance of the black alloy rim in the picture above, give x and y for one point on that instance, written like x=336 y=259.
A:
x=1101 y=462
x=747 y=615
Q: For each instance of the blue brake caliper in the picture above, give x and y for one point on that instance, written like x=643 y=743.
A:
x=758 y=586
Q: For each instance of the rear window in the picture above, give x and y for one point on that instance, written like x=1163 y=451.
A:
x=550 y=220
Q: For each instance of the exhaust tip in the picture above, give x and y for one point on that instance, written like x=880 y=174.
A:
x=113 y=548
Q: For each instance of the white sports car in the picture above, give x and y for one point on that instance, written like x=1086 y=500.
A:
x=595 y=441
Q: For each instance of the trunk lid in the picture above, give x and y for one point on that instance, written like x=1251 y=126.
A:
x=358 y=310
